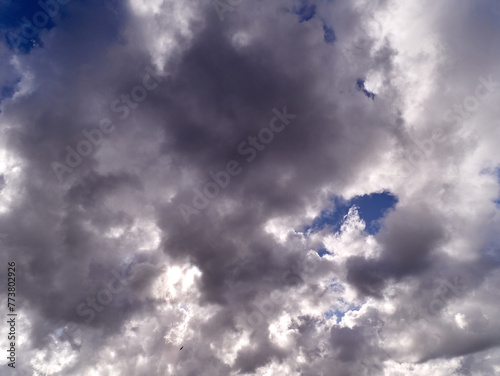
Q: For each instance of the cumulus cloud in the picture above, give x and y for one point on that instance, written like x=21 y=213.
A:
x=170 y=170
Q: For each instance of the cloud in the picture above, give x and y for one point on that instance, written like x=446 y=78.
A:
x=240 y=285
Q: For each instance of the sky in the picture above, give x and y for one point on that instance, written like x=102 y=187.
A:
x=229 y=187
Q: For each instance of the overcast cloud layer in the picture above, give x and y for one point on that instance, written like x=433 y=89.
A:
x=116 y=120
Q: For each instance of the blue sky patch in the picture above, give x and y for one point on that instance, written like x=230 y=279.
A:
x=493 y=172
x=305 y=11
x=338 y=313
x=361 y=86
x=12 y=13
x=21 y=23
x=6 y=92
x=329 y=34
x=371 y=207
x=322 y=252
